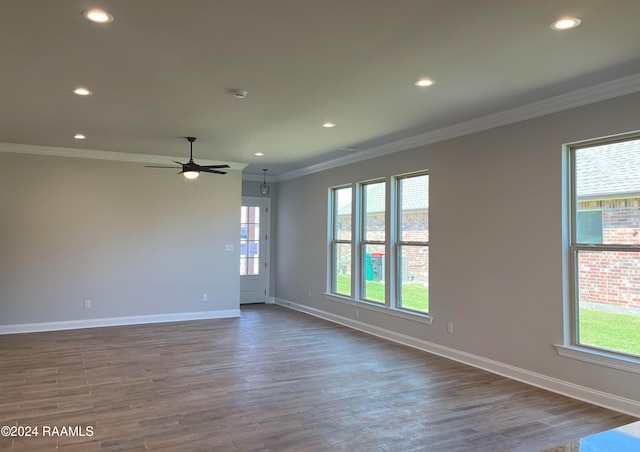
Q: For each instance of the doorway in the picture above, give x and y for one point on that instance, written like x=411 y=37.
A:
x=255 y=218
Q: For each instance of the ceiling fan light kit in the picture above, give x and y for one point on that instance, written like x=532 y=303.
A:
x=191 y=170
x=191 y=174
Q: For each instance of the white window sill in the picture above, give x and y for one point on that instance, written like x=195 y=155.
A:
x=407 y=315
x=599 y=357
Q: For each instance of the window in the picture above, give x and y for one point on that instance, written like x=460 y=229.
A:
x=341 y=243
x=386 y=246
x=373 y=241
x=413 y=242
x=605 y=245
x=249 y=240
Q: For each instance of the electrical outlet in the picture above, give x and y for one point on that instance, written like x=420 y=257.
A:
x=87 y=304
x=309 y=293
x=450 y=328
x=357 y=313
x=204 y=297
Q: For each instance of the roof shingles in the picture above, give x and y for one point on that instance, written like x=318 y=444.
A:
x=608 y=169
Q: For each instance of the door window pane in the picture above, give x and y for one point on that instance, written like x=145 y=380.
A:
x=249 y=241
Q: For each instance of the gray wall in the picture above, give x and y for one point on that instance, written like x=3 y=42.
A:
x=135 y=241
x=496 y=254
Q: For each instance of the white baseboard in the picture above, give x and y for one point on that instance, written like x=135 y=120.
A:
x=117 y=321
x=603 y=399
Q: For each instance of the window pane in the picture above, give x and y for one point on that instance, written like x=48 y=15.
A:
x=342 y=214
x=373 y=277
x=413 y=269
x=609 y=300
x=341 y=282
x=374 y=211
x=249 y=241
x=608 y=193
x=413 y=198
x=254 y=215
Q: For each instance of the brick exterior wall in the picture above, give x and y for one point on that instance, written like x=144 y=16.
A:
x=415 y=227
x=612 y=278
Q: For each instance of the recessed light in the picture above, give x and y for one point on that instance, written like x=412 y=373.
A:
x=79 y=136
x=81 y=91
x=328 y=125
x=258 y=154
x=566 y=23
x=424 y=82
x=97 y=15
x=238 y=93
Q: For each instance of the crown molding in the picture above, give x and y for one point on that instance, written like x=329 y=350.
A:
x=258 y=178
x=106 y=155
x=572 y=99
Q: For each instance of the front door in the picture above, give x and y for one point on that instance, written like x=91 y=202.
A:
x=254 y=249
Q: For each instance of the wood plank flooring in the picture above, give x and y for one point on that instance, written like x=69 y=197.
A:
x=273 y=380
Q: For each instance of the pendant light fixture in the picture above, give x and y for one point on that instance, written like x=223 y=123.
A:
x=264 y=188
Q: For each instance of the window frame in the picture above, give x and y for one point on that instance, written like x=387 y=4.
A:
x=572 y=347
x=358 y=244
x=398 y=243
x=334 y=241
x=364 y=242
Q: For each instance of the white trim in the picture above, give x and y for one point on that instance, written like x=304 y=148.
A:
x=117 y=321
x=600 y=358
x=258 y=177
x=573 y=99
x=606 y=400
x=107 y=155
x=407 y=315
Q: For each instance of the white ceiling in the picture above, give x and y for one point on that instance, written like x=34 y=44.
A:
x=162 y=70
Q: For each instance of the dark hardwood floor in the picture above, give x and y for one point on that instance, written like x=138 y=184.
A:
x=273 y=380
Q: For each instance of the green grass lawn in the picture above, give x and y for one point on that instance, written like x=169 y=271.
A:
x=609 y=330
x=414 y=296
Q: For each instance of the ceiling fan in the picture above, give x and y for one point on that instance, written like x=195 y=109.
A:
x=191 y=169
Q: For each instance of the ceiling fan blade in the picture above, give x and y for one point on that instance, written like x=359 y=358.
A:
x=192 y=166
x=214 y=166
x=208 y=170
